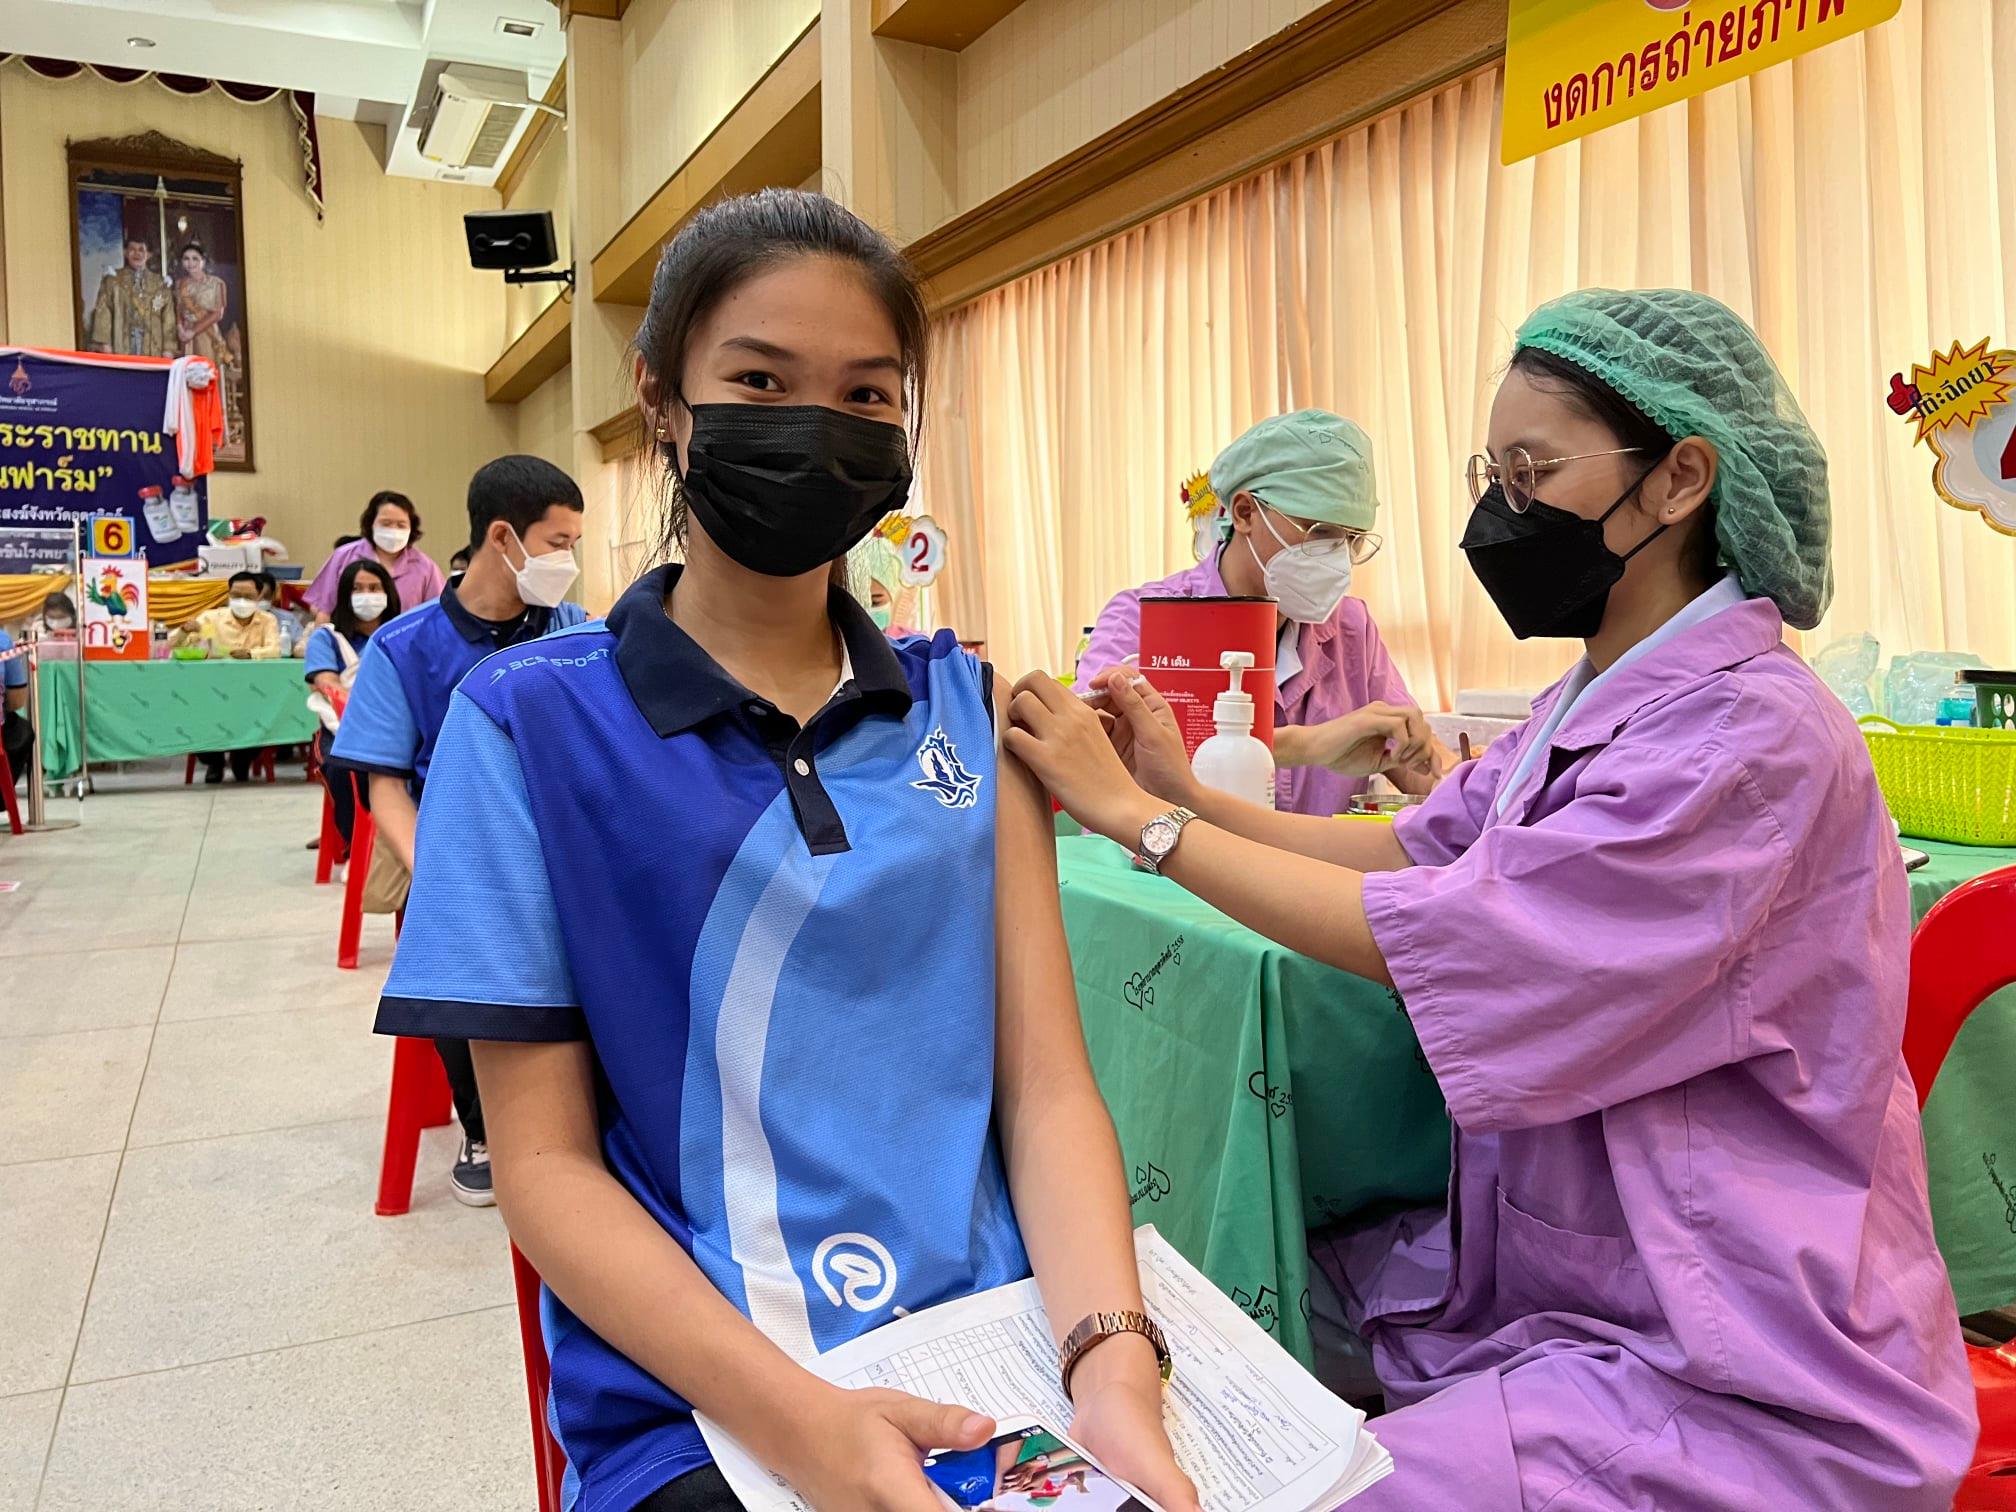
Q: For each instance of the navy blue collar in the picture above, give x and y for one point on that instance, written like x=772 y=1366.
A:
x=530 y=623
x=677 y=685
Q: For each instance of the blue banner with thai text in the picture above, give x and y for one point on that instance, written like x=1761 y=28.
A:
x=81 y=438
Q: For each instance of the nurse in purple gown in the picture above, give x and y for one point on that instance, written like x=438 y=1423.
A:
x=1654 y=946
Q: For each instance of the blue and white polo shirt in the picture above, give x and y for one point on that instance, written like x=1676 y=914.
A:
x=409 y=669
x=780 y=942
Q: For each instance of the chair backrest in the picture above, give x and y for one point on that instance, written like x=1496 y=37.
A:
x=549 y=1464
x=1963 y=951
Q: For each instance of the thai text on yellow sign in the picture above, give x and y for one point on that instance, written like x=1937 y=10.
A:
x=1576 y=66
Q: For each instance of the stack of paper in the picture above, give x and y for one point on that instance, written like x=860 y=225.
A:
x=1252 y=1428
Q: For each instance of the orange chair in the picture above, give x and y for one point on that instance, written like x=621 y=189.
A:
x=1964 y=951
x=420 y=1099
x=548 y=1463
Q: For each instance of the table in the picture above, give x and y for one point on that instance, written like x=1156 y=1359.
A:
x=167 y=708
x=1257 y=1093
x=1970 y=1119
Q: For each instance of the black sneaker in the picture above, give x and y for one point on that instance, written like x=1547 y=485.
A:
x=471 y=1176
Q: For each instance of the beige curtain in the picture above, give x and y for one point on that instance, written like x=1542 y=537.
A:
x=1857 y=205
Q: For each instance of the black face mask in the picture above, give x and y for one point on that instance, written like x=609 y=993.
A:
x=784 y=489
x=1549 y=572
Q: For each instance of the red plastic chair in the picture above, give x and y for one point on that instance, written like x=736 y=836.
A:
x=7 y=794
x=329 y=844
x=363 y=840
x=420 y=1099
x=1963 y=952
x=548 y=1463
x=263 y=763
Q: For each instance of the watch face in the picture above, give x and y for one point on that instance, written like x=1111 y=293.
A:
x=1159 y=836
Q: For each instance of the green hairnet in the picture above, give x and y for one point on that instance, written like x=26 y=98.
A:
x=1310 y=464
x=1695 y=368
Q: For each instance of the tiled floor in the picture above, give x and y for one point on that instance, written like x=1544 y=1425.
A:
x=201 y=1310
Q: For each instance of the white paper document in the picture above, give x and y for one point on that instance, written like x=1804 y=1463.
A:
x=1252 y=1428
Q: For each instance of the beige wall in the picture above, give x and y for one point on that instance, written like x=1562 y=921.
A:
x=369 y=331
x=686 y=64
x=545 y=422
x=543 y=186
x=1054 y=74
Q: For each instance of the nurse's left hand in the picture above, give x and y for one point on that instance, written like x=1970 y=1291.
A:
x=1064 y=742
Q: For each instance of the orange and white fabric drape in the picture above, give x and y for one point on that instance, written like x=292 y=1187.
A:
x=1857 y=205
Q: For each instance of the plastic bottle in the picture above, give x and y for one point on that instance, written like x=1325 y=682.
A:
x=1233 y=760
x=159 y=516
x=184 y=507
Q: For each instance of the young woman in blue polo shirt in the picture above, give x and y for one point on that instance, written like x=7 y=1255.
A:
x=730 y=1124
x=366 y=597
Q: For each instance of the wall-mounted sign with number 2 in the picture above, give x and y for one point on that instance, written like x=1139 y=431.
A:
x=923 y=552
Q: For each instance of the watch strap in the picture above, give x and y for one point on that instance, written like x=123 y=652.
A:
x=1096 y=1326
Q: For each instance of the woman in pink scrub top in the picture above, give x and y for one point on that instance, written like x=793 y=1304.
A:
x=391 y=538
x=1654 y=946
x=1300 y=506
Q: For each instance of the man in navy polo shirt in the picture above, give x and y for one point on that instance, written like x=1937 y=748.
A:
x=524 y=521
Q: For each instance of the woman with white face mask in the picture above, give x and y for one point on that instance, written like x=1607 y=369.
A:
x=1300 y=507
x=389 y=534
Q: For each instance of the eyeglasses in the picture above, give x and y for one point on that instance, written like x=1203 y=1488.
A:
x=1520 y=474
x=1327 y=540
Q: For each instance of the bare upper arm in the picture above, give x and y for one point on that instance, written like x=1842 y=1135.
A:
x=537 y=1099
x=1039 y=1039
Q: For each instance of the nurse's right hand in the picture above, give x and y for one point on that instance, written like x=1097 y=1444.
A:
x=863 y=1449
x=1146 y=736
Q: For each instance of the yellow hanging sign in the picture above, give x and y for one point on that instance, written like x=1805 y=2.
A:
x=1576 y=66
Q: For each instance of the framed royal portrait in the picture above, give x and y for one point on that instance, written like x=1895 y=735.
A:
x=158 y=247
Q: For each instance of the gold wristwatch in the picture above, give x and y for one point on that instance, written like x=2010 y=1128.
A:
x=1103 y=1325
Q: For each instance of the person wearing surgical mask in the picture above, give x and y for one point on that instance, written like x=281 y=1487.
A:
x=1300 y=505
x=389 y=534
x=524 y=526
x=58 y=619
x=239 y=631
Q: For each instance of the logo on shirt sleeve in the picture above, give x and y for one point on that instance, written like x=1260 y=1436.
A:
x=854 y=1270
x=945 y=775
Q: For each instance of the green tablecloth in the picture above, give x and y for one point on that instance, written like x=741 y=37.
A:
x=1256 y=1092
x=1970 y=1119
x=167 y=708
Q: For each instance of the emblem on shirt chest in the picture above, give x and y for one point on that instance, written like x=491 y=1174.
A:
x=854 y=1270
x=945 y=775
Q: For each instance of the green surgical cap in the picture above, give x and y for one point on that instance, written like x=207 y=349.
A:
x=881 y=562
x=1695 y=368
x=1310 y=464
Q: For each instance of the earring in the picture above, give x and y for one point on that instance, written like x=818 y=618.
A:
x=661 y=434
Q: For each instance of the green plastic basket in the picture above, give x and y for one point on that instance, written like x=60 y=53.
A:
x=1946 y=784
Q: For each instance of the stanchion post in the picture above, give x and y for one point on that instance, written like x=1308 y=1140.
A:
x=78 y=587
x=38 y=821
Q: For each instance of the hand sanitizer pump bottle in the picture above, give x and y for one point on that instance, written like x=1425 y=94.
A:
x=1233 y=760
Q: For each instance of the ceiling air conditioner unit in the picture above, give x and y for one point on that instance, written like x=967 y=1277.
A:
x=473 y=115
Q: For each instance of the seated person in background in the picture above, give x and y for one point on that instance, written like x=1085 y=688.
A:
x=391 y=534
x=15 y=730
x=58 y=618
x=242 y=631
x=884 y=565
x=1301 y=501
x=524 y=521
x=457 y=565
x=366 y=598
x=284 y=622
